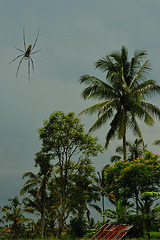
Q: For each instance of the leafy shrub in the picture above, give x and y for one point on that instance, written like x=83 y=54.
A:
x=78 y=227
x=155 y=235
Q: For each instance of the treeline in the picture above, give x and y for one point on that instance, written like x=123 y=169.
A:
x=65 y=185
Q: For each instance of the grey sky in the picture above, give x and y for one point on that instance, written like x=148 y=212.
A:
x=73 y=35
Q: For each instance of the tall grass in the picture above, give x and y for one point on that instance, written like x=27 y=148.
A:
x=154 y=236
x=51 y=238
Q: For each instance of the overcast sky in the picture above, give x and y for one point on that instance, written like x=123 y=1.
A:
x=73 y=34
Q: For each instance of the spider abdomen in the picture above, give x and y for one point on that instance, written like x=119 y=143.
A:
x=28 y=51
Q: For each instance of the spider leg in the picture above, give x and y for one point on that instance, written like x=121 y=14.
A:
x=24 y=39
x=35 y=40
x=19 y=66
x=29 y=69
x=35 y=51
x=19 y=49
x=16 y=58
x=32 y=63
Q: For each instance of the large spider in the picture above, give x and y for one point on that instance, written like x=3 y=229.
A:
x=26 y=54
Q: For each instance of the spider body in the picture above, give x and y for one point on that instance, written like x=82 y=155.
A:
x=28 y=51
x=26 y=54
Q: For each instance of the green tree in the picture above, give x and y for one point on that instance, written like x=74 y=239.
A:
x=37 y=184
x=78 y=227
x=65 y=141
x=14 y=213
x=84 y=192
x=123 y=94
x=129 y=180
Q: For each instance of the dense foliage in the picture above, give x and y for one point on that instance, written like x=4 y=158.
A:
x=127 y=182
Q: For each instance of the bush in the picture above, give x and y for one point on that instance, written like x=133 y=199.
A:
x=78 y=227
x=155 y=235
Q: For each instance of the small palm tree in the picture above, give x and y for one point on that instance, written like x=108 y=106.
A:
x=39 y=182
x=101 y=185
x=123 y=94
x=1 y=220
x=134 y=150
x=14 y=214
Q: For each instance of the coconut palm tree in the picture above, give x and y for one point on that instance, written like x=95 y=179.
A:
x=123 y=93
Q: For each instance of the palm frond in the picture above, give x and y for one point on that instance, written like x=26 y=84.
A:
x=101 y=120
x=29 y=175
x=96 y=207
x=157 y=142
x=119 y=150
x=90 y=80
x=153 y=194
x=38 y=192
x=151 y=109
x=135 y=127
x=108 y=106
x=141 y=74
x=124 y=54
x=106 y=64
x=136 y=60
x=144 y=112
x=28 y=187
x=121 y=125
x=97 y=89
x=93 y=109
x=139 y=54
x=113 y=130
x=149 y=88
x=115 y=158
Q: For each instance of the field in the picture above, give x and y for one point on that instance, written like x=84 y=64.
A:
x=154 y=236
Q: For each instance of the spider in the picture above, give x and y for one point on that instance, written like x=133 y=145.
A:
x=26 y=54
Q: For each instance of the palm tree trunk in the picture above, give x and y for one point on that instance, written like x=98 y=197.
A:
x=62 y=212
x=42 y=222
x=103 y=208
x=43 y=204
x=125 y=159
x=60 y=225
x=124 y=148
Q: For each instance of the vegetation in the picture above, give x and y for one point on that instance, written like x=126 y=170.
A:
x=130 y=180
x=36 y=186
x=64 y=141
x=123 y=94
x=59 y=195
